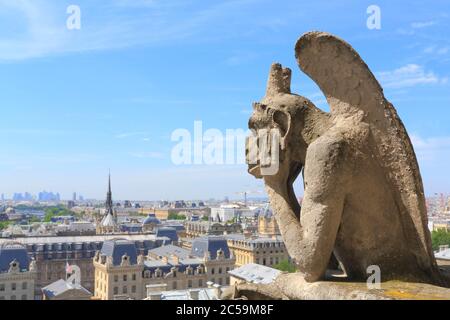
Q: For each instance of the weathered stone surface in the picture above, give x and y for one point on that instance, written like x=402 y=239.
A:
x=293 y=287
x=363 y=199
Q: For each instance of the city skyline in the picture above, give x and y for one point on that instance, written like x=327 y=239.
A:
x=110 y=94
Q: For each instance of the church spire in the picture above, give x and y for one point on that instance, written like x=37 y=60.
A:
x=109 y=202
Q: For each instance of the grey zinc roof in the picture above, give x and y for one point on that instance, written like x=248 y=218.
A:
x=260 y=239
x=10 y=252
x=210 y=244
x=59 y=287
x=444 y=254
x=151 y=218
x=154 y=263
x=166 y=251
x=168 y=232
x=203 y=294
x=117 y=248
x=255 y=273
x=75 y=239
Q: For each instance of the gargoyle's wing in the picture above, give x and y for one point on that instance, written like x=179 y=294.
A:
x=352 y=91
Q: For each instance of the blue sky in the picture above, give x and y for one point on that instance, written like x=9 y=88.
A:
x=75 y=103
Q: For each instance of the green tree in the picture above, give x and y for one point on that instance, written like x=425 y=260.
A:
x=4 y=224
x=439 y=238
x=51 y=212
x=34 y=219
x=286 y=265
x=176 y=216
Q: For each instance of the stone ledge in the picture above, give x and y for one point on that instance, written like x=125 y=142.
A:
x=295 y=288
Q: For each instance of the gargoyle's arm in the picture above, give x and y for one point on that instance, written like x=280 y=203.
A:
x=311 y=240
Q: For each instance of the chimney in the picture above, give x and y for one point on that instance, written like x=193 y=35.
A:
x=194 y=294
x=176 y=259
x=155 y=296
x=217 y=290
x=155 y=288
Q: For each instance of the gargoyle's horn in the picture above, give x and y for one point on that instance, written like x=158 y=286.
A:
x=257 y=106
x=279 y=80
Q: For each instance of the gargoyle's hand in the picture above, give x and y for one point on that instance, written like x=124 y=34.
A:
x=283 y=181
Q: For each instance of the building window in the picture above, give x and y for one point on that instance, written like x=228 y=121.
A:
x=133 y=289
x=116 y=290
x=125 y=277
x=134 y=277
x=212 y=271
x=213 y=280
x=2 y=298
x=24 y=285
x=227 y=280
x=220 y=270
x=125 y=290
x=189 y=283
x=116 y=278
x=228 y=269
x=174 y=285
x=13 y=286
x=24 y=297
x=220 y=281
x=2 y=287
x=13 y=298
x=200 y=283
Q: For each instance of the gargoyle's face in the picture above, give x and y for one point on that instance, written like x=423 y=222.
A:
x=270 y=150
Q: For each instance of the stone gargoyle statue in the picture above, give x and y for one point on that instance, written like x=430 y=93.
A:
x=363 y=195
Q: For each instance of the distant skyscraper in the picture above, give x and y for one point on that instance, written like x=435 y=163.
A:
x=28 y=197
x=48 y=196
x=18 y=197
x=74 y=197
x=3 y=197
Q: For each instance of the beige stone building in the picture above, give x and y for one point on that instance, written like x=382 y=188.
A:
x=53 y=253
x=17 y=274
x=195 y=229
x=267 y=251
x=267 y=226
x=121 y=272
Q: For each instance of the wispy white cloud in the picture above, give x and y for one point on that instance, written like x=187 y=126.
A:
x=436 y=50
x=422 y=24
x=433 y=154
x=118 y=24
x=409 y=76
x=432 y=148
